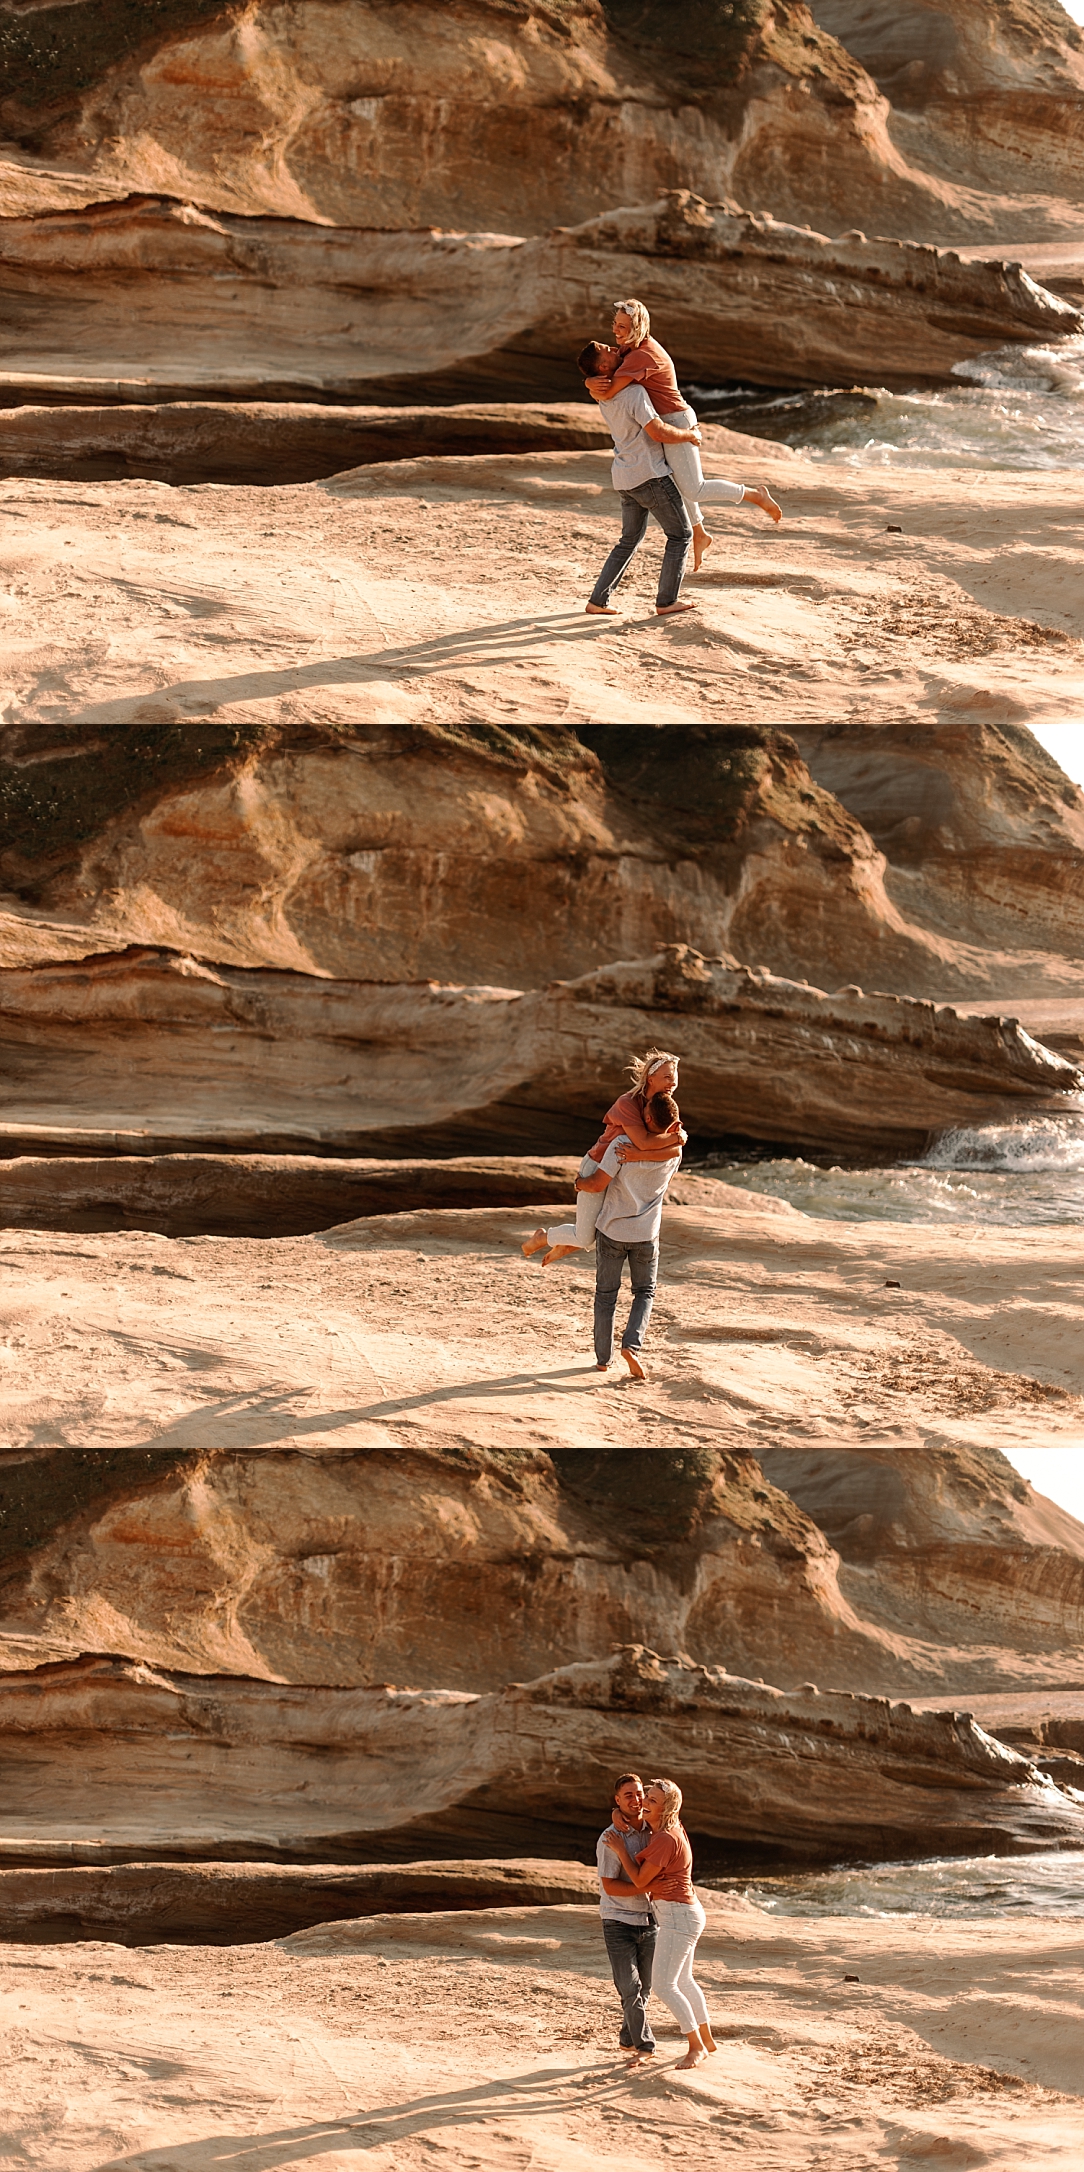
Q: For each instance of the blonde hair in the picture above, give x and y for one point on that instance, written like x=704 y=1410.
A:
x=670 y=1821
x=638 y=317
x=641 y=1068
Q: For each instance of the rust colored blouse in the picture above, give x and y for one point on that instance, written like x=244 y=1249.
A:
x=649 y=365
x=671 y=1855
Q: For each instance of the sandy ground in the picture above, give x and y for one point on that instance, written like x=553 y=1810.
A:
x=439 y=590
x=489 y=2040
x=768 y=1326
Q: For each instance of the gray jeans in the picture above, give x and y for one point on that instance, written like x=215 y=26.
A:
x=662 y=498
x=643 y=1262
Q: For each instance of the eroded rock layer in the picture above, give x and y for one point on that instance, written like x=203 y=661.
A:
x=810 y=1774
x=447 y=1069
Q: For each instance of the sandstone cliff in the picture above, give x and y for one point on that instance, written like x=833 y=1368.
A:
x=150 y=1050
x=183 y=303
x=938 y=121
x=226 y=1768
x=914 y=859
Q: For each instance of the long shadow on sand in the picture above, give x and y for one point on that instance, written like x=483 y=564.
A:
x=512 y=641
x=519 y=2096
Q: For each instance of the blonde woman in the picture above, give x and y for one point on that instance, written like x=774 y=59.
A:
x=655 y=1073
x=644 y=362
x=665 y=1870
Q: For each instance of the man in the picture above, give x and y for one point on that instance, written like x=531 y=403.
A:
x=628 y=1226
x=644 y=484
x=628 y=1922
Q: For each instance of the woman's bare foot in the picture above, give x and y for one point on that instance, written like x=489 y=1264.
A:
x=634 y=1365
x=762 y=496
x=692 y=2058
x=707 y=2038
x=668 y=610
x=702 y=543
x=558 y=1251
x=601 y=610
x=537 y=1243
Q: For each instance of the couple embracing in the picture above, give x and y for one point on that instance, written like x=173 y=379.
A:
x=656 y=469
x=651 y=1917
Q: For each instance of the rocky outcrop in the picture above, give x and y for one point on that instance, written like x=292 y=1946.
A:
x=277 y=1062
x=926 y=1572
x=266 y=1195
x=275 y=309
x=250 y=441
x=944 y=120
x=208 y=1904
x=983 y=834
x=538 y=849
x=241 y=1769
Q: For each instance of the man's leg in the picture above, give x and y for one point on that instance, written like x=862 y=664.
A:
x=633 y=526
x=609 y=1260
x=664 y=499
x=643 y=1273
x=623 y=1947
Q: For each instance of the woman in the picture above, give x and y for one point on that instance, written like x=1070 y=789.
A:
x=653 y=1073
x=644 y=362
x=664 y=1869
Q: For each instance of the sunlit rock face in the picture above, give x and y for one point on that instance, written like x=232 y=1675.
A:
x=509 y=114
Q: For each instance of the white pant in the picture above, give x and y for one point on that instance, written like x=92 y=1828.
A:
x=582 y=1230
x=683 y=462
x=680 y=1925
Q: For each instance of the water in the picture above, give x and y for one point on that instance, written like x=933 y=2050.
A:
x=1017 y=407
x=1022 y=1174
x=968 y=1886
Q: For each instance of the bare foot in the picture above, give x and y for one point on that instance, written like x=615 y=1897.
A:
x=707 y=2038
x=601 y=610
x=762 y=496
x=537 y=1243
x=702 y=543
x=634 y=1365
x=601 y=1368
x=639 y=2058
x=692 y=2058
x=669 y=610
x=558 y=1251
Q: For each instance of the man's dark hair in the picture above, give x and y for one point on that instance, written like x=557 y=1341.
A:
x=624 y=1781
x=662 y=1111
x=587 y=360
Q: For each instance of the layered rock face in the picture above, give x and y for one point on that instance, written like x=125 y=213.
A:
x=440 y=1069
x=279 y=204
x=515 y=115
x=397 y=1769
x=545 y=852
x=467 y=1569
x=187 y=304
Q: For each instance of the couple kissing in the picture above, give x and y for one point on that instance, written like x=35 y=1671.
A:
x=651 y=1917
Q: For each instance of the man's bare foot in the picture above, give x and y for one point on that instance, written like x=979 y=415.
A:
x=601 y=610
x=537 y=1243
x=692 y=2058
x=669 y=610
x=634 y=1365
x=558 y=1251
x=603 y=1368
x=702 y=543
x=707 y=2038
x=762 y=496
x=638 y=2058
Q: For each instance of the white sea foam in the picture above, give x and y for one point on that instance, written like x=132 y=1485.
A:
x=1016 y=407
x=984 y=1885
x=1022 y=1173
